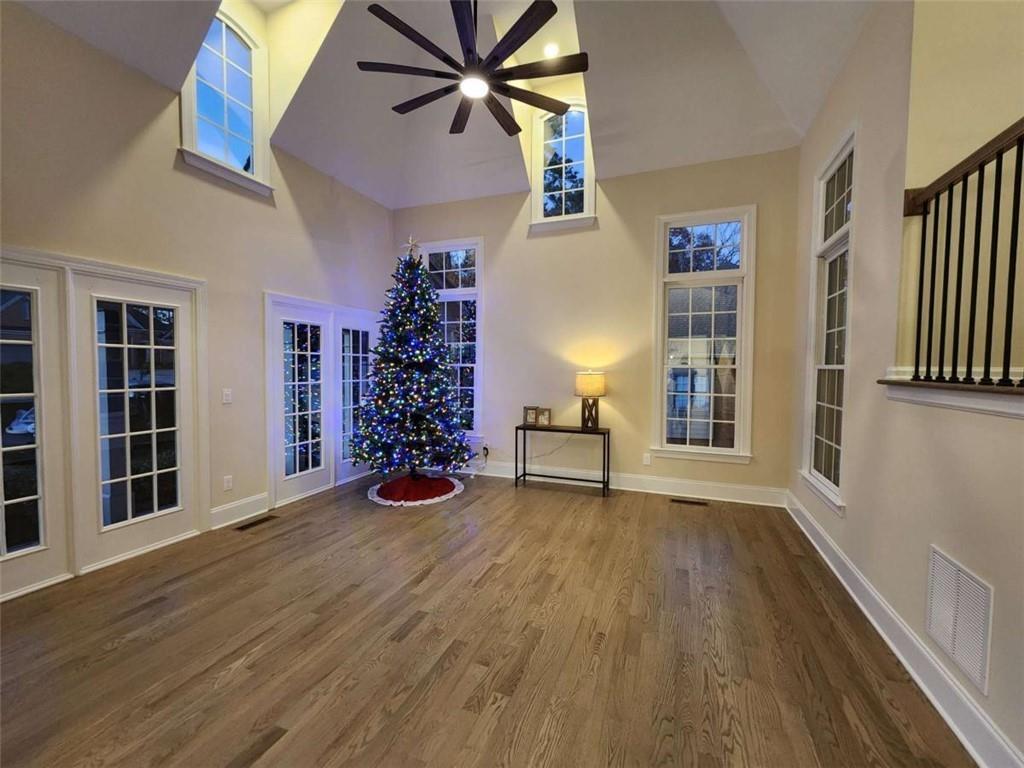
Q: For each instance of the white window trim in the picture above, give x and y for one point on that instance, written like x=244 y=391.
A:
x=538 y=223
x=463 y=294
x=740 y=453
x=37 y=395
x=821 y=250
x=259 y=181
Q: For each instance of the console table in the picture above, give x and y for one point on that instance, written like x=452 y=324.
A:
x=606 y=453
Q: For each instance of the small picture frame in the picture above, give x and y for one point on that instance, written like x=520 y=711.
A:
x=530 y=414
x=543 y=417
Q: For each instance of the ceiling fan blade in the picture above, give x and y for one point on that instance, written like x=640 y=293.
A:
x=461 y=115
x=536 y=16
x=421 y=101
x=554 y=106
x=505 y=120
x=462 y=10
x=402 y=69
x=404 y=29
x=563 y=65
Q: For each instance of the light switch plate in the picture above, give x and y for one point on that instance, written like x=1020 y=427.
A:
x=226 y=396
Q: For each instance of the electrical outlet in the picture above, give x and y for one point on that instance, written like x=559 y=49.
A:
x=226 y=396
x=229 y=482
x=647 y=459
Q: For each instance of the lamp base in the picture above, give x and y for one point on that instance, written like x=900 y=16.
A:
x=589 y=418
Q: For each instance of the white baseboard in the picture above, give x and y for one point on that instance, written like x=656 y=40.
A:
x=136 y=552
x=33 y=587
x=346 y=480
x=236 y=511
x=669 y=486
x=987 y=744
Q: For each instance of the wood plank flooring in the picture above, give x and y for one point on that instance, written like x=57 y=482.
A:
x=540 y=626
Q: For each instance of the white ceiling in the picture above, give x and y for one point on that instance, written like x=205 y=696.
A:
x=670 y=84
x=159 y=38
x=341 y=121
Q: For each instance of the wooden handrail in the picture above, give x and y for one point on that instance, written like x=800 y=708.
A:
x=914 y=200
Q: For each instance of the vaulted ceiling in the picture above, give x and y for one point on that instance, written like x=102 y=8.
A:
x=670 y=83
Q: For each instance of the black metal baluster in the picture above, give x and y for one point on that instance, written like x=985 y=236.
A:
x=931 y=290
x=986 y=373
x=920 y=295
x=955 y=372
x=1006 y=381
x=969 y=366
x=945 y=285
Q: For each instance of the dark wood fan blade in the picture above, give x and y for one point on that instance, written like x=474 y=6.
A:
x=505 y=120
x=563 y=65
x=461 y=115
x=421 y=101
x=538 y=100
x=536 y=16
x=462 y=11
x=404 y=29
x=402 y=69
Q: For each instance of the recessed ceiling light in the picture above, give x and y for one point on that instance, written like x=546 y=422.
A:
x=550 y=50
x=474 y=87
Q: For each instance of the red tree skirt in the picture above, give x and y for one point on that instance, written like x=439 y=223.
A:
x=406 y=491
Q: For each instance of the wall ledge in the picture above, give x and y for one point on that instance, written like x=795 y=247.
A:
x=993 y=400
x=981 y=737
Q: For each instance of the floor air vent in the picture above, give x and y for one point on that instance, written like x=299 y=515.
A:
x=960 y=615
x=695 y=502
x=254 y=523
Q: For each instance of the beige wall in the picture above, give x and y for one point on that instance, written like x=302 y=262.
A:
x=558 y=302
x=913 y=475
x=90 y=169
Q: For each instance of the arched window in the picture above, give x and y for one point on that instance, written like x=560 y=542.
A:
x=563 y=172
x=224 y=107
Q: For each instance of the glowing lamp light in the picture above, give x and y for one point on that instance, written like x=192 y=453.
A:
x=590 y=385
x=474 y=87
x=551 y=50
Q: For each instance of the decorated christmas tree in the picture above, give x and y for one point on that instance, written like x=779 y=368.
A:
x=409 y=421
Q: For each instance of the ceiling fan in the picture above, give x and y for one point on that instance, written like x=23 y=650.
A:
x=480 y=77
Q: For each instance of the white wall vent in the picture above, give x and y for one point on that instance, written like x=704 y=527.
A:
x=960 y=615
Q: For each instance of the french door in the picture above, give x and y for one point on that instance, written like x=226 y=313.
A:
x=134 y=454
x=300 y=370
x=34 y=545
x=357 y=336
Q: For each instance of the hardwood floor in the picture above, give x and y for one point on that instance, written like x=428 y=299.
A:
x=535 y=626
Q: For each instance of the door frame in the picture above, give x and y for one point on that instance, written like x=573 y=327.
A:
x=275 y=305
x=69 y=268
x=348 y=317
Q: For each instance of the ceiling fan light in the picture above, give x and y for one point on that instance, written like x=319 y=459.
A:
x=550 y=50
x=474 y=87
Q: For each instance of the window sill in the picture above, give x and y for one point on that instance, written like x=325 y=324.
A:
x=992 y=400
x=828 y=495
x=142 y=519
x=581 y=221
x=23 y=552
x=226 y=172
x=691 y=455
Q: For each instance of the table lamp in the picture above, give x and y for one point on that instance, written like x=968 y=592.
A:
x=590 y=385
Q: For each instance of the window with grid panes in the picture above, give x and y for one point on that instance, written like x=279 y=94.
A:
x=19 y=401
x=355 y=382
x=703 y=284
x=303 y=398
x=838 y=197
x=224 y=98
x=138 y=419
x=830 y=372
x=564 y=159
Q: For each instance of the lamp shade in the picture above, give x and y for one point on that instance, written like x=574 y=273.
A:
x=590 y=384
